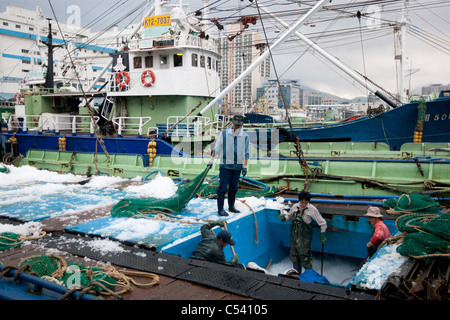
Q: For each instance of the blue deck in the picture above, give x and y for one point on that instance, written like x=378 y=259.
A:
x=345 y=238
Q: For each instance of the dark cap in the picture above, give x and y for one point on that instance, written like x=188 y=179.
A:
x=238 y=119
x=226 y=236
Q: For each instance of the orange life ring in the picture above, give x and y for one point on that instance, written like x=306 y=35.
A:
x=144 y=78
x=123 y=83
x=18 y=98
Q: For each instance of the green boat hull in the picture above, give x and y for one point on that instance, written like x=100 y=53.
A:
x=385 y=175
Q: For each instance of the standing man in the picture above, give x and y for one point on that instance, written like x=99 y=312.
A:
x=302 y=214
x=232 y=146
x=381 y=232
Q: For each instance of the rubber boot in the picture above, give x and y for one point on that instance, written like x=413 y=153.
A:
x=220 y=202
x=231 y=200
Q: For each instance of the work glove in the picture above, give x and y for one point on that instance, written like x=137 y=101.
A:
x=209 y=164
x=282 y=217
x=217 y=223
x=244 y=171
x=323 y=239
x=234 y=261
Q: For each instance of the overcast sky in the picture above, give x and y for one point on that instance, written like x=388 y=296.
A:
x=370 y=53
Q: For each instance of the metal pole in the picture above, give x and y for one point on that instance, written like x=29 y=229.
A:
x=333 y=60
x=321 y=263
x=261 y=58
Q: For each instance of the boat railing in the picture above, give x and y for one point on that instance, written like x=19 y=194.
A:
x=113 y=85
x=191 y=126
x=195 y=41
x=131 y=124
x=152 y=132
x=179 y=40
x=53 y=122
x=221 y=121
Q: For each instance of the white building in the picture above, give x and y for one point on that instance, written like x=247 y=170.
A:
x=23 y=57
x=434 y=88
x=271 y=93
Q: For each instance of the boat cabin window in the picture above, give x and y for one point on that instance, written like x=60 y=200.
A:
x=202 y=61
x=163 y=62
x=178 y=60
x=194 y=60
x=149 y=61
x=209 y=62
x=137 y=62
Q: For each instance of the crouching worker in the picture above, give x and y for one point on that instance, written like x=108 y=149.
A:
x=211 y=246
x=302 y=214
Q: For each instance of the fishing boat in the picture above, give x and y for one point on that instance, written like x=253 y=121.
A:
x=76 y=220
x=143 y=120
x=145 y=127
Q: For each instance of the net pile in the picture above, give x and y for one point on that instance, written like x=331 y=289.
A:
x=146 y=207
x=56 y=269
x=9 y=240
x=93 y=280
x=426 y=230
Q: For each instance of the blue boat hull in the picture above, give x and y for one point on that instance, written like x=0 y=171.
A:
x=394 y=127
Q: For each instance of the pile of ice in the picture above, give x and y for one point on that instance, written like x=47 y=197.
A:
x=197 y=211
x=29 y=229
x=375 y=272
x=32 y=194
x=27 y=190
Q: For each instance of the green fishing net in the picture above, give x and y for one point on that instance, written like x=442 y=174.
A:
x=426 y=229
x=4 y=170
x=413 y=203
x=143 y=207
x=9 y=240
x=421 y=112
x=68 y=273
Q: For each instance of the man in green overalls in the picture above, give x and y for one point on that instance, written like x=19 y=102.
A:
x=302 y=214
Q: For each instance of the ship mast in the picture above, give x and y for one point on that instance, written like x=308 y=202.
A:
x=400 y=54
x=49 y=80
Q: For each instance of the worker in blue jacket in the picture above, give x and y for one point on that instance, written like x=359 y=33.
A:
x=232 y=146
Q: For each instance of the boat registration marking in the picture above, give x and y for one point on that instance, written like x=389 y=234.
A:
x=158 y=21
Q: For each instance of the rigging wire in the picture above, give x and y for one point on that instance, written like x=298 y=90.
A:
x=97 y=133
x=301 y=158
x=362 y=50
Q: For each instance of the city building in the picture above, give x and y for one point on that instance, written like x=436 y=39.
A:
x=272 y=95
x=23 y=59
x=434 y=88
x=311 y=98
x=238 y=50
